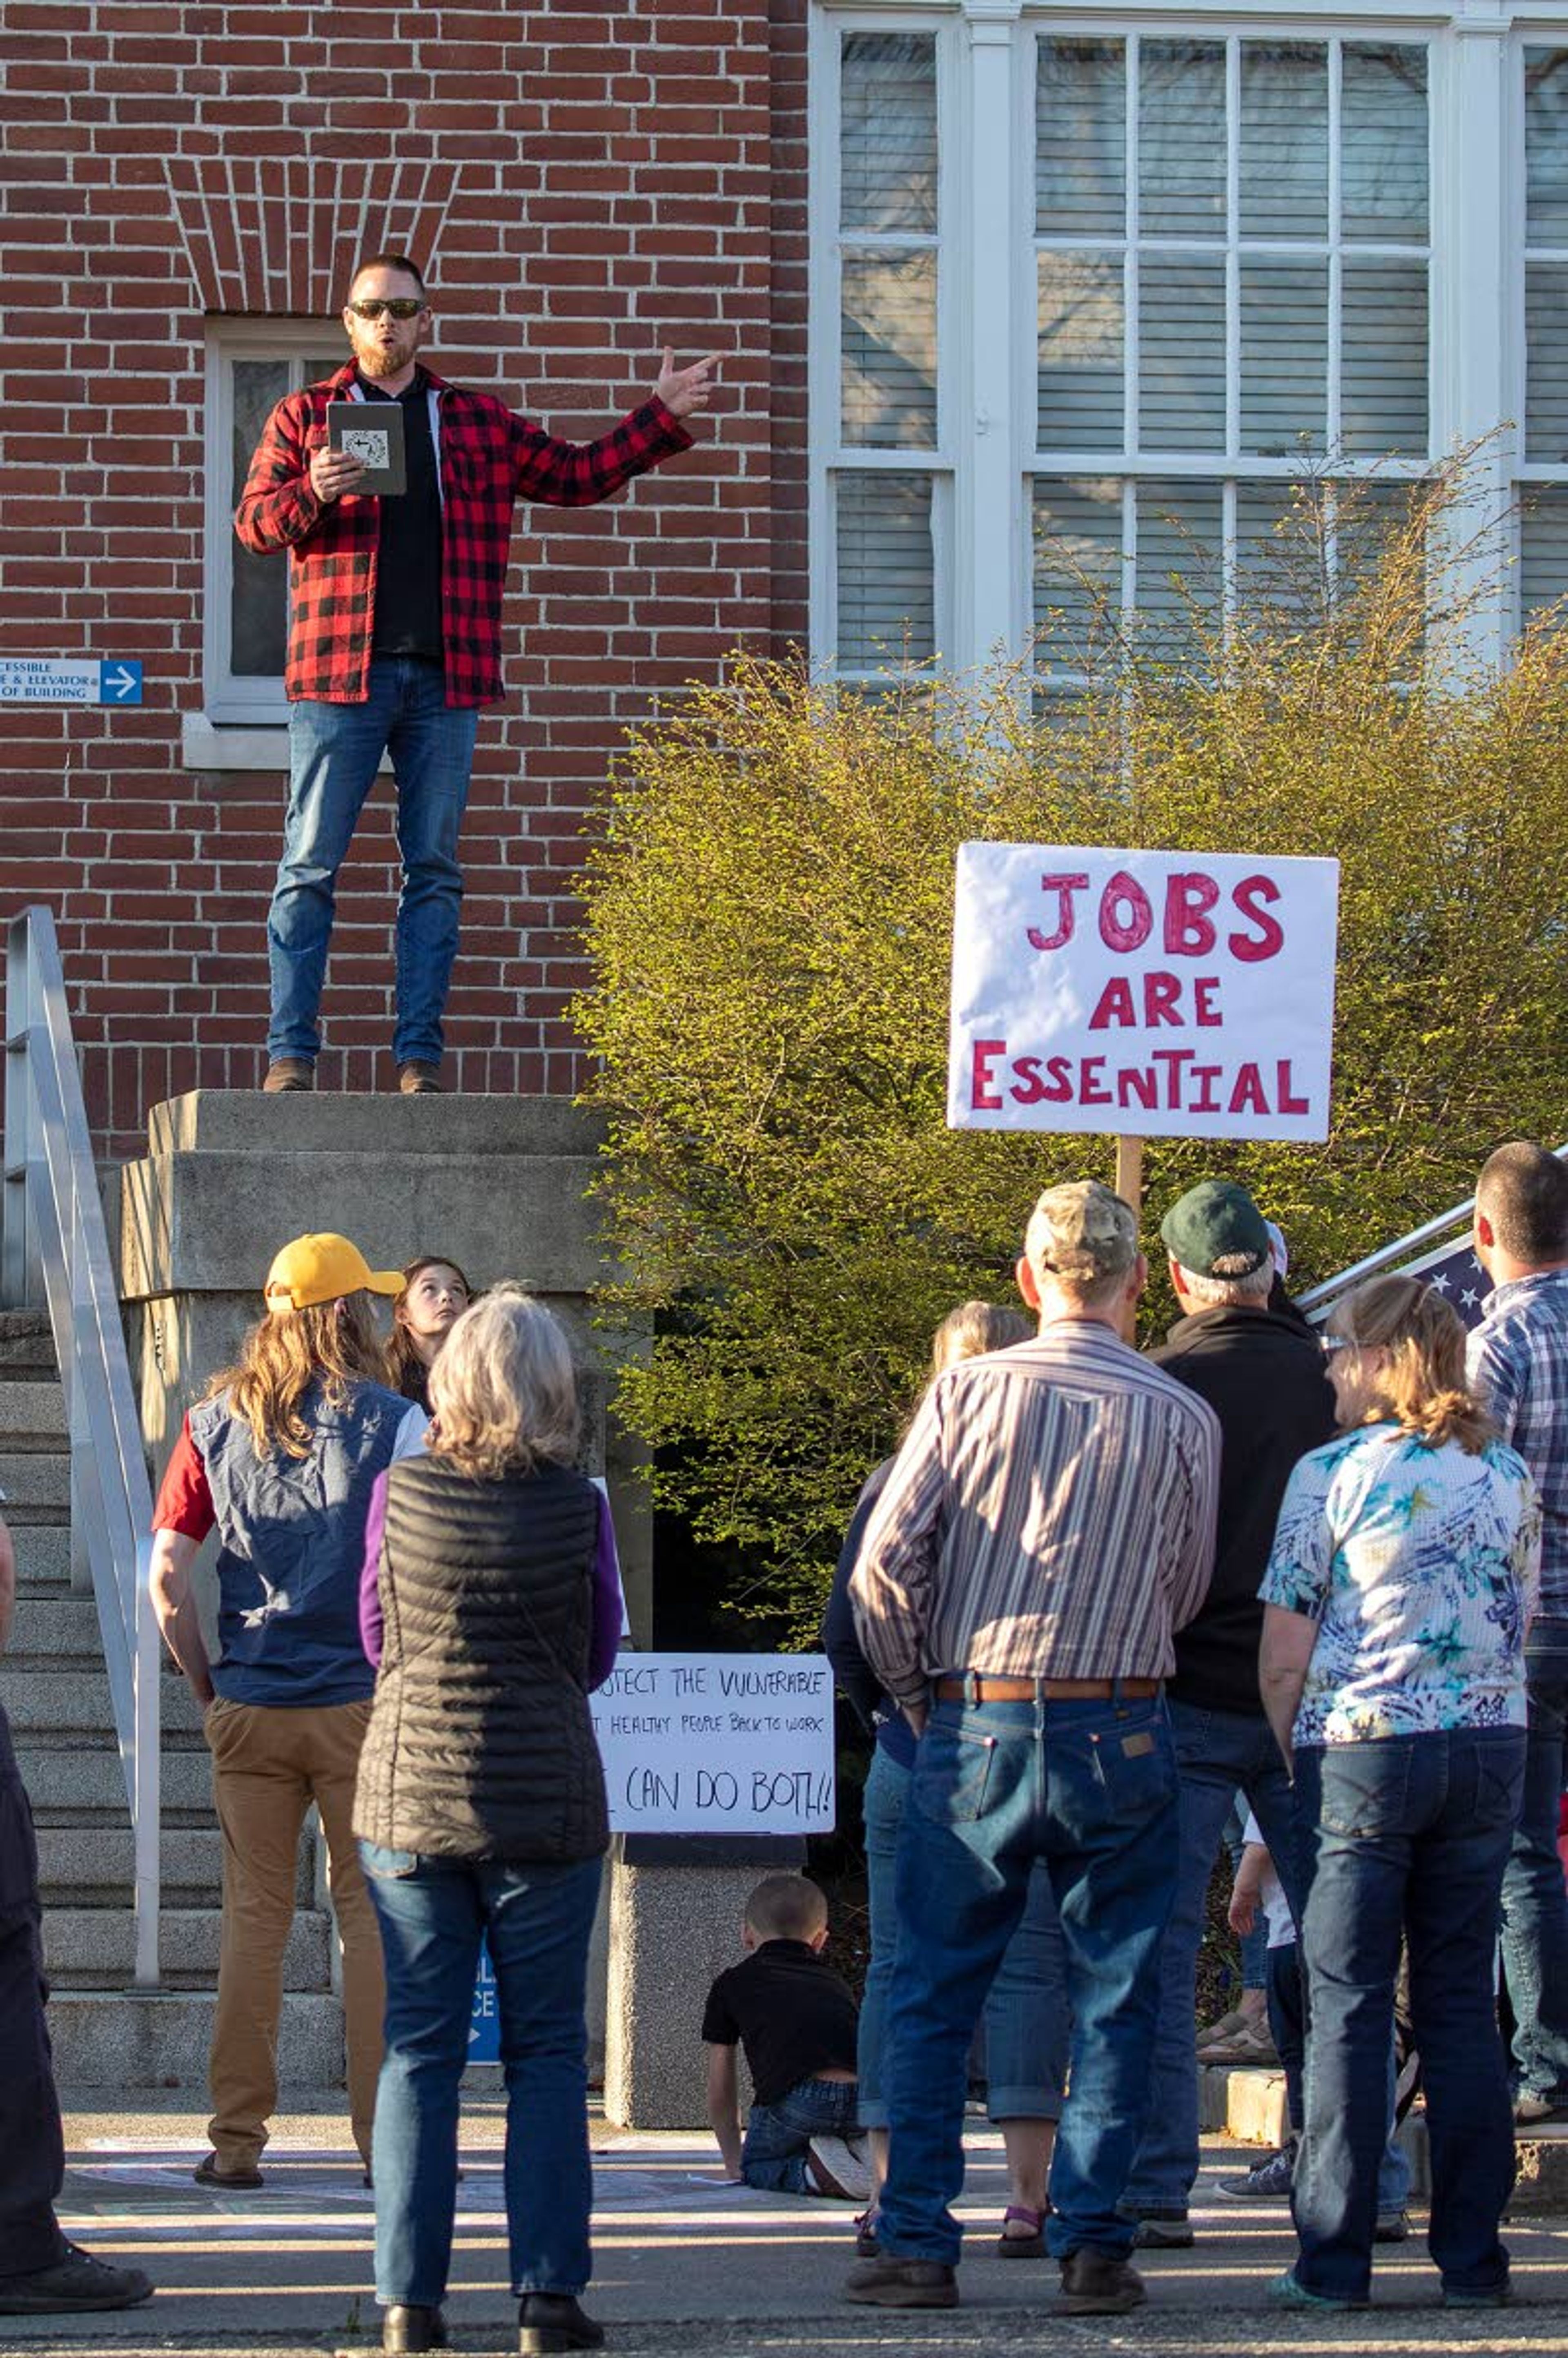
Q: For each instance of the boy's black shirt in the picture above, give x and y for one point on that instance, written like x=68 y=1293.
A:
x=792 y=2013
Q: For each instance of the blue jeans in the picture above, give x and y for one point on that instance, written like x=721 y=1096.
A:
x=1410 y=1831
x=1287 y=2020
x=778 y=2136
x=1535 y=1902
x=334 y=752
x=1218 y=1753
x=536 y=1920
x=1025 y=2013
x=1090 y=1788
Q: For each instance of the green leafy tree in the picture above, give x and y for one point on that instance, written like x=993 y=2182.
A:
x=770 y=920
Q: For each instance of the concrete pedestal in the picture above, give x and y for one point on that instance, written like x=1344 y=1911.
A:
x=675 y=1909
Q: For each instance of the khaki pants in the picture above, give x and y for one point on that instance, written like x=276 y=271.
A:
x=268 y=1766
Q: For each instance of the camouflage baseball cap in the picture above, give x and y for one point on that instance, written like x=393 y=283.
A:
x=1082 y=1232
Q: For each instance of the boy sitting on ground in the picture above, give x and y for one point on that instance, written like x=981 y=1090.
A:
x=797 y=2022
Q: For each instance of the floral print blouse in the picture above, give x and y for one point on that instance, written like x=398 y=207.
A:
x=1420 y=1566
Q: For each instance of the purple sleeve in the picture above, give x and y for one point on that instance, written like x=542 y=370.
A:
x=607 y=1605
x=370 y=1590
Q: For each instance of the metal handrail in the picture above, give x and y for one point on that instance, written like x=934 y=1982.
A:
x=53 y=1240
x=1317 y=1300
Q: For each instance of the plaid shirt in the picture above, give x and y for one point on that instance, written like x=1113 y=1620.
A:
x=490 y=457
x=1517 y=1358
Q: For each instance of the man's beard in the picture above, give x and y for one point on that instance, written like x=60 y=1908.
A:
x=383 y=361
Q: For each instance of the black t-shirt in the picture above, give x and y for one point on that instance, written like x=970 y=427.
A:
x=408 y=556
x=794 y=2016
x=1264 y=1377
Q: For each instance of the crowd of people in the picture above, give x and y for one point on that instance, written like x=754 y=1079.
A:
x=1094 y=1598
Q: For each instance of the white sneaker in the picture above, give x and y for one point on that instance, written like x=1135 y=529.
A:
x=840 y=2170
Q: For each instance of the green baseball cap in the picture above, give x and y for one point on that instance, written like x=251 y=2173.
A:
x=1217 y=1230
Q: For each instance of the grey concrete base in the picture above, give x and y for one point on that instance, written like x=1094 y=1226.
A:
x=94 y=1948
x=126 y=2039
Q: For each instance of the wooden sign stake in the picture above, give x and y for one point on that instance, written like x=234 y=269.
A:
x=1129 y=1173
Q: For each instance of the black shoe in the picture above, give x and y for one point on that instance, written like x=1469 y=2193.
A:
x=233 y=2181
x=405 y=2325
x=552 y=2321
x=1097 y=2284
x=889 y=2283
x=75 y=2281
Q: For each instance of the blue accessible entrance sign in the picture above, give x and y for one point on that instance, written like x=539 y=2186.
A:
x=484 y=2026
x=69 y=679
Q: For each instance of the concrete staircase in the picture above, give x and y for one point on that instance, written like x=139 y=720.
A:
x=56 y=1694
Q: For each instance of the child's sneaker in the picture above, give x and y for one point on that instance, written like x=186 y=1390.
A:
x=839 y=2170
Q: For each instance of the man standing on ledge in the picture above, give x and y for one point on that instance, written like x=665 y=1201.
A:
x=394 y=634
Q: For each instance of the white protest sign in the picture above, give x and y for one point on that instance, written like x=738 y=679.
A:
x=718 y=1744
x=1163 y=994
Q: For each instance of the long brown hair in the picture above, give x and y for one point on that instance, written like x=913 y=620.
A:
x=332 y=1344
x=1422 y=1386
x=402 y=1371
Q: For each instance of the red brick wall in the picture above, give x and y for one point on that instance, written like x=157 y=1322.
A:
x=585 y=184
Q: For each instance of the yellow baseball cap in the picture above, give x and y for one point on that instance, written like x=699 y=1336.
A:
x=321 y=1269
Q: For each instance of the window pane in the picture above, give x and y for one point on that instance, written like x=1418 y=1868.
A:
x=1181 y=138
x=1284 y=351
x=1543 y=547
x=889 y=370
x=886 y=606
x=1383 y=378
x=887 y=137
x=1284 y=139
x=1178 y=550
x=1180 y=329
x=1369 y=518
x=1080 y=137
x=1546 y=362
x=1546 y=146
x=1278 y=557
x=258 y=598
x=1383 y=175
x=1080 y=326
x=1078 y=561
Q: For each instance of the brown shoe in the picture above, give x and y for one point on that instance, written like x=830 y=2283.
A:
x=1097 y=2284
x=233 y=2181
x=419 y=1080
x=288 y=1073
x=889 y=2283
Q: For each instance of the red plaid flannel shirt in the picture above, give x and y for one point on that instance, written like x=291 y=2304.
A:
x=490 y=457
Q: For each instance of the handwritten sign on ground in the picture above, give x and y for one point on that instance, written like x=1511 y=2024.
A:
x=1163 y=994
x=718 y=1744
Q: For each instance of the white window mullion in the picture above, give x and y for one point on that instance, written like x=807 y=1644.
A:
x=1129 y=411
x=1232 y=256
x=1335 y=272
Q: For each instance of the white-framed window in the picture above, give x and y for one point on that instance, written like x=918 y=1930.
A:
x=1542 y=222
x=251 y=364
x=882 y=305
x=1092 y=289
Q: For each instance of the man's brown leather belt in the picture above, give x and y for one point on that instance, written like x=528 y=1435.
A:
x=983 y=1690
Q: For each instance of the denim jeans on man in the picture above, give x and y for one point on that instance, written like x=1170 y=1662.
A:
x=1026 y=2012
x=1090 y=1787
x=778 y=2136
x=334 y=753
x=1535 y=1902
x=1217 y=1754
x=536 y=1920
x=1411 y=1831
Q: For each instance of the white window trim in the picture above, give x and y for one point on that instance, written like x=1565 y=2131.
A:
x=240 y=722
x=1475 y=247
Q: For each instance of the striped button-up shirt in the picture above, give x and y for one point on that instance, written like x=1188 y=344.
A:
x=1051 y=1515
x=1517 y=1358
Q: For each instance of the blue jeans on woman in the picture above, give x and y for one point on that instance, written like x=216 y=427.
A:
x=334 y=753
x=536 y=1922
x=1026 y=2012
x=1088 y=1787
x=1411 y=1831
x=778 y=2136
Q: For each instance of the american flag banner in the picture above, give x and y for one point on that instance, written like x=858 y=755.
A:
x=1455 y=1273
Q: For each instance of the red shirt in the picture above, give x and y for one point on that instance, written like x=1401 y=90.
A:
x=184 y=1499
x=490 y=457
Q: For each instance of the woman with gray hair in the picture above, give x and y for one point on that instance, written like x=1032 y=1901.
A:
x=490 y=1603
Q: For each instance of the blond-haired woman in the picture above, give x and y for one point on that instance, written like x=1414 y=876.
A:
x=492 y=1603
x=1402 y=1578
x=280 y=1458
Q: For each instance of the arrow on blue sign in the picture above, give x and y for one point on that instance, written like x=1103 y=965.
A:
x=119 y=682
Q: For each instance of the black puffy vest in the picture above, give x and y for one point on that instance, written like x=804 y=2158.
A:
x=481 y=1744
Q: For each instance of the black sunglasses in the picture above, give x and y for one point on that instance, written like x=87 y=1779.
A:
x=402 y=307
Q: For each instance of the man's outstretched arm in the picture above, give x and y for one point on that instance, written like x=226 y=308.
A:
x=578 y=474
